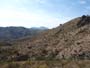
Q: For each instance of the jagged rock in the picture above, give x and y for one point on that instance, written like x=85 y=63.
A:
x=85 y=20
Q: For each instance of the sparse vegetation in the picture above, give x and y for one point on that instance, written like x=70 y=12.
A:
x=67 y=46
x=47 y=64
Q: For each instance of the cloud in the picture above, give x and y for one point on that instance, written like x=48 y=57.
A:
x=13 y=15
x=87 y=10
x=27 y=19
x=39 y=1
x=88 y=7
x=82 y=1
x=32 y=13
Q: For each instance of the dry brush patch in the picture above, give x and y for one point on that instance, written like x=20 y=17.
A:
x=48 y=64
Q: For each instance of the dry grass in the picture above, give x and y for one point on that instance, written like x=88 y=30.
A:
x=48 y=64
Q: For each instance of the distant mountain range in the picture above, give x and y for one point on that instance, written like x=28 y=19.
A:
x=12 y=33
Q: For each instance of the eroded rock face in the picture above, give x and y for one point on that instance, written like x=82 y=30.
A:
x=85 y=20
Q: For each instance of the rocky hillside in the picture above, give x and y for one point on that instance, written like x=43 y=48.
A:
x=68 y=41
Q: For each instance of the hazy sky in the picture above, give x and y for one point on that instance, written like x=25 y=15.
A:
x=35 y=13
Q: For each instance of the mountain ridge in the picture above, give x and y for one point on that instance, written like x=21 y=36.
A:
x=12 y=32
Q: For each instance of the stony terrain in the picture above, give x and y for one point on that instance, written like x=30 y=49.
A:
x=66 y=46
x=67 y=41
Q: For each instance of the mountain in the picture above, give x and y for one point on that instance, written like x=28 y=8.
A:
x=67 y=41
x=12 y=33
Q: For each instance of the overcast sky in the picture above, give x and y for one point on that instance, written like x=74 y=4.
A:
x=35 y=13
